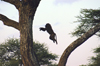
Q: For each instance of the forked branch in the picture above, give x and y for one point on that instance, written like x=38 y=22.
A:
x=14 y=2
x=9 y=22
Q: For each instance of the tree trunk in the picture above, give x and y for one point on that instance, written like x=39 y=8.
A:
x=26 y=14
x=76 y=43
x=26 y=42
x=27 y=9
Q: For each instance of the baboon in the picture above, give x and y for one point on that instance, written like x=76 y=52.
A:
x=49 y=29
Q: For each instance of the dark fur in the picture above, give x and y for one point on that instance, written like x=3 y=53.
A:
x=49 y=29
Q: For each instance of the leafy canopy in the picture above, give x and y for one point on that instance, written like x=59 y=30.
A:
x=10 y=53
x=87 y=20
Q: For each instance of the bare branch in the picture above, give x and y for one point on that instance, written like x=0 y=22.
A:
x=9 y=22
x=14 y=2
x=77 y=43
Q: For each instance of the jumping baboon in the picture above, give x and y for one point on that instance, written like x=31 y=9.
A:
x=49 y=29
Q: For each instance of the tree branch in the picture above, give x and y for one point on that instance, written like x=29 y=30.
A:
x=9 y=22
x=14 y=2
x=77 y=43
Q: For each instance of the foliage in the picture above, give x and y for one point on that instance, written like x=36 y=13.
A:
x=87 y=20
x=82 y=65
x=43 y=54
x=95 y=60
x=10 y=53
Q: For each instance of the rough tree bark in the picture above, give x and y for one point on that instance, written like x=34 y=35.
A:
x=27 y=9
x=76 y=43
